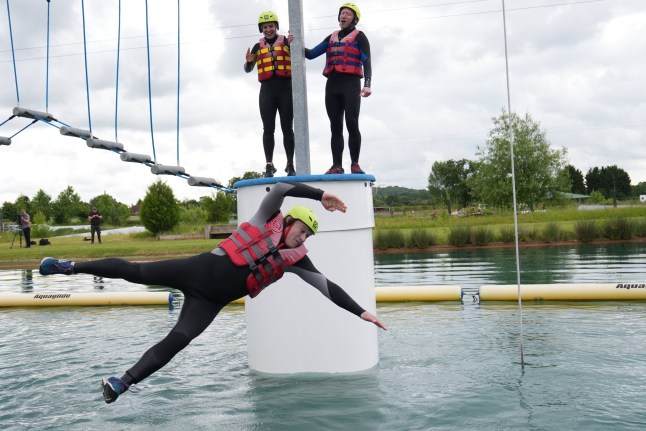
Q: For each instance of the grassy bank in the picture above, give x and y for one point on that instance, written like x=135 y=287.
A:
x=419 y=230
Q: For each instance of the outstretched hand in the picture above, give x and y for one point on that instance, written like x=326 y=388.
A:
x=332 y=202
x=369 y=317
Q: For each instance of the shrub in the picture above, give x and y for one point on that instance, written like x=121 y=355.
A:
x=640 y=228
x=618 y=228
x=507 y=234
x=526 y=234
x=392 y=238
x=420 y=238
x=459 y=236
x=481 y=235
x=159 y=209
x=552 y=232
x=585 y=230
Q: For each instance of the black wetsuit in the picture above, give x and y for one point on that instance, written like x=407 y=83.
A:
x=275 y=96
x=343 y=98
x=209 y=281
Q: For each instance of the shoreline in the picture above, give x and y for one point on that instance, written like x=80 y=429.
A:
x=433 y=249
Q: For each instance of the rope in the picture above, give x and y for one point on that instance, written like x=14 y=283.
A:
x=19 y=131
x=150 y=101
x=47 y=63
x=87 y=78
x=116 y=97
x=13 y=54
x=178 y=76
x=513 y=185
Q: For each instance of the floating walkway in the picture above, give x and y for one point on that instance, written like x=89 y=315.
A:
x=84 y=299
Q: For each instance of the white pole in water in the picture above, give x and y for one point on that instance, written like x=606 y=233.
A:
x=299 y=89
x=291 y=326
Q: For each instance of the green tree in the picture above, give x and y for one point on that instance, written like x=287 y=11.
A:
x=23 y=203
x=218 y=207
x=249 y=175
x=612 y=181
x=67 y=206
x=42 y=202
x=577 y=185
x=112 y=211
x=539 y=170
x=159 y=210
x=9 y=212
x=448 y=182
x=639 y=189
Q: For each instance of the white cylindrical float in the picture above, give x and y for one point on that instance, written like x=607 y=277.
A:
x=564 y=292
x=50 y=299
x=291 y=327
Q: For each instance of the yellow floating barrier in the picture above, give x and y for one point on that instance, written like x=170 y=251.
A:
x=84 y=298
x=564 y=292
x=398 y=293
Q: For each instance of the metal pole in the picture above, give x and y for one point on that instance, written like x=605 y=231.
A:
x=299 y=89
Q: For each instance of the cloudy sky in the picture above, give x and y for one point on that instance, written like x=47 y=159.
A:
x=577 y=67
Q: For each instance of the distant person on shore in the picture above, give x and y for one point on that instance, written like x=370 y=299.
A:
x=95 y=224
x=25 y=227
x=257 y=254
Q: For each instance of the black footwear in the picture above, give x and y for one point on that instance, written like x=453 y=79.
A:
x=112 y=388
x=290 y=170
x=270 y=170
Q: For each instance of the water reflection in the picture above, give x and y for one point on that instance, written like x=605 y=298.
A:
x=474 y=267
x=27 y=280
x=322 y=401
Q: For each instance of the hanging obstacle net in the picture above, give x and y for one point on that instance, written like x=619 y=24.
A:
x=86 y=134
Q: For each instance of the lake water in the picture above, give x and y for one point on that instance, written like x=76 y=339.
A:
x=443 y=366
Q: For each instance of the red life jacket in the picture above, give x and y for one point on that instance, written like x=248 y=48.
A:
x=256 y=247
x=343 y=56
x=273 y=59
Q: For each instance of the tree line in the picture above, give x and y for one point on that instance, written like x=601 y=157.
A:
x=542 y=174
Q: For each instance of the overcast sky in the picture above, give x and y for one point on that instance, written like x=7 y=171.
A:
x=577 y=67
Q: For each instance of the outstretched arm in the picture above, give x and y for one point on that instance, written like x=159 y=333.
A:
x=305 y=269
x=272 y=202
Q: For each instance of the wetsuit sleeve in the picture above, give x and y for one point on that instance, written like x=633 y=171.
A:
x=318 y=50
x=248 y=67
x=305 y=269
x=272 y=202
x=364 y=47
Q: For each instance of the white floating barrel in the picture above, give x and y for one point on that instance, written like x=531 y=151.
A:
x=104 y=145
x=135 y=158
x=33 y=114
x=166 y=170
x=84 y=298
x=564 y=292
x=291 y=327
x=77 y=133
x=202 y=182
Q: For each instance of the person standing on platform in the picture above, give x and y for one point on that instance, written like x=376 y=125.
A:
x=255 y=256
x=25 y=226
x=347 y=61
x=271 y=57
x=95 y=224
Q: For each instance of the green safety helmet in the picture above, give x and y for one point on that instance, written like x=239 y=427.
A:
x=305 y=215
x=354 y=8
x=267 y=16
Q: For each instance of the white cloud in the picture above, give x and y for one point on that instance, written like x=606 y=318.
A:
x=438 y=79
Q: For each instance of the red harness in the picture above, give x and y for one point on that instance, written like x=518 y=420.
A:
x=343 y=56
x=257 y=248
x=273 y=59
